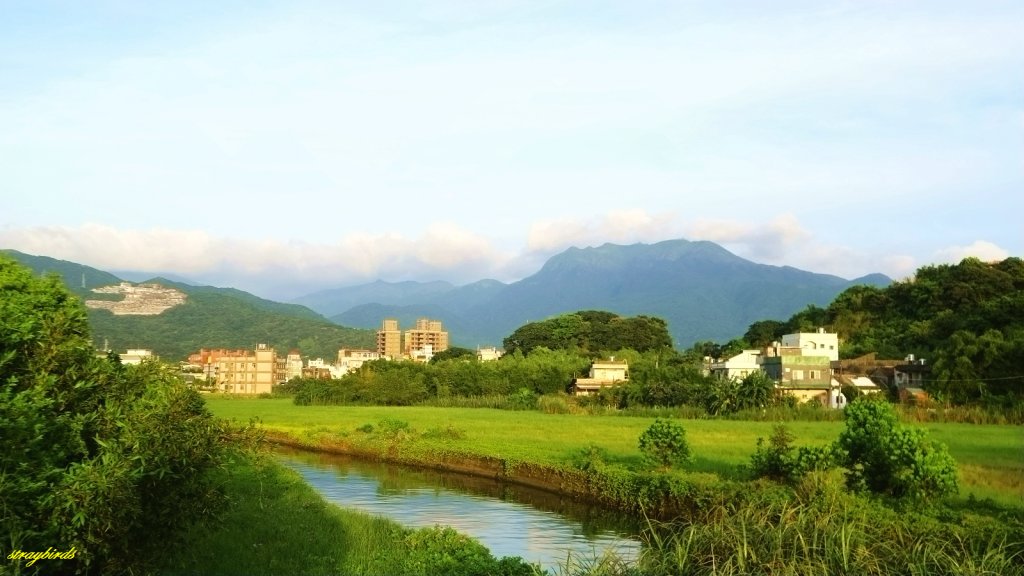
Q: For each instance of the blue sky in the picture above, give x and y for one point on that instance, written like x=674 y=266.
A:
x=281 y=147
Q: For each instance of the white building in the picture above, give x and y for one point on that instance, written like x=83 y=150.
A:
x=603 y=374
x=317 y=365
x=737 y=367
x=818 y=343
x=489 y=353
x=351 y=360
x=423 y=354
x=293 y=365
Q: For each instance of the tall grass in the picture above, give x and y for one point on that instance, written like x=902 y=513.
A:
x=819 y=529
x=963 y=414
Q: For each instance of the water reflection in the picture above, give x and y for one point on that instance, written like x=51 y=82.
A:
x=510 y=520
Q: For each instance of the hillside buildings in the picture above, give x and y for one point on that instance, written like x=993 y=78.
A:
x=139 y=300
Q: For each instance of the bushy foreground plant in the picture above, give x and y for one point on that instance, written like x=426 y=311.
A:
x=779 y=461
x=885 y=457
x=443 y=550
x=664 y=444
x=109 y=459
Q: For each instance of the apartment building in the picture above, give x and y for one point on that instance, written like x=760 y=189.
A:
x=254 y=372
x=389 y=340
x=426 y=339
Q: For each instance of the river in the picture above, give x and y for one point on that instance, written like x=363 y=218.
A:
x=510 y=520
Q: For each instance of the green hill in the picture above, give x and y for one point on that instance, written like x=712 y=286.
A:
x=210 y=318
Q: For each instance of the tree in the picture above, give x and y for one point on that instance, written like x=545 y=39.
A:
x=756 y=390
x=110 y=459
x=664 y=444
x=453 y=353
x=764 y=332
x=884 y=457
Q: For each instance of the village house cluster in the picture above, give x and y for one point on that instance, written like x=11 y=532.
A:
x=805 y=365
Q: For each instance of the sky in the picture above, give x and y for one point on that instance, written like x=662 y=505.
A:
x=285 y=147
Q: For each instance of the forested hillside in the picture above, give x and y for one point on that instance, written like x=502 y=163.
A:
x=966 y=320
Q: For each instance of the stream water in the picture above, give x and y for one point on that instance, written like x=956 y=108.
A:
x=510 y=520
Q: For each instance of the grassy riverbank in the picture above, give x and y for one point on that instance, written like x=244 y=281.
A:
x=990 y=457
x=276 y=524
x=723 y=523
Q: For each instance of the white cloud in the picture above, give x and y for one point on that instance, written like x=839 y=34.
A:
x=444 y=251
x=768 y=241
x=619 y=227
x=980 y=249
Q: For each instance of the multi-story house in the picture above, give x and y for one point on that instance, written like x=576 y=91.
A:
x=818 y=343
x=603 y=373
x=209 y=359
x=488 y=353
x=351 y=360
x=292 y=365
x=801 y=365
x=253 y=372
x=738 y=366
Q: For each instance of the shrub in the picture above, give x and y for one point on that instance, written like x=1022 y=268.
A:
x=523 y=399
x=394 y=429
x=778 y=461
x=885 y=457
x=664 y=444
x=442 y=550
x=592 y=457
x=774 y=461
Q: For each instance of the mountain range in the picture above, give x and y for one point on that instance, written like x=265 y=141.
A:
x=702 y=290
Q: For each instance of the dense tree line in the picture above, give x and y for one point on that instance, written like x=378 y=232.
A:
x=105 y=461
x=591 y=331
x=403 y=383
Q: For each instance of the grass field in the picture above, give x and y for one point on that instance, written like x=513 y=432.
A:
x=990 y=457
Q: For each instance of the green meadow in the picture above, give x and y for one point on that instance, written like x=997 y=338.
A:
x=990 y=457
